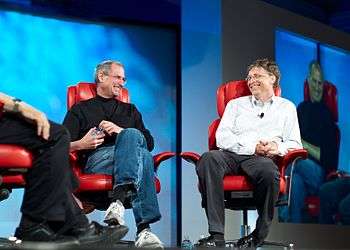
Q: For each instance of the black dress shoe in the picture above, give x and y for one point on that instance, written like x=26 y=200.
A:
x=210 y=242
x=42 y=232
x=94 y=233
x=249 y=241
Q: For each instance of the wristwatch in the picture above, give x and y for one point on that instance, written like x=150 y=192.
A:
x=16 y=102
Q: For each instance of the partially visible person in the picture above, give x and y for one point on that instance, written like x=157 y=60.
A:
x=318 y=136
x=252 y=132
x=335 y=201
x=49 y=211
x=111 y=135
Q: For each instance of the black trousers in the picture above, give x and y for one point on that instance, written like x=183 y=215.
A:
x=50 y=182
x=263 y=173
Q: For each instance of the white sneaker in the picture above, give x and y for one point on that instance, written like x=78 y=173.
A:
x=147 y=239
x=115 y=213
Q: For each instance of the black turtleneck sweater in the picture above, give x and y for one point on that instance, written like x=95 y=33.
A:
x=318 y=128
x=87 y=114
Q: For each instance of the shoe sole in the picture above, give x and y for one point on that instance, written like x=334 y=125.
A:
x=111 y=236
x=153 y=245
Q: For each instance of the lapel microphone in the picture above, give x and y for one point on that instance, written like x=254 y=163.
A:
x=261 y=115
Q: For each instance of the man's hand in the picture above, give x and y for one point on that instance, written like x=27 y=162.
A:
x=260 y=149
x=36 y=116
x=110 y=127
x=91 y=139
x=266 y=148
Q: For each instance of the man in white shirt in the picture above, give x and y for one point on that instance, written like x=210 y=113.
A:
x=253 y=130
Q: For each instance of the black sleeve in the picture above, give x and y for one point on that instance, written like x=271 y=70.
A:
x=329 y=147
x=72 y=123
x=140 y=126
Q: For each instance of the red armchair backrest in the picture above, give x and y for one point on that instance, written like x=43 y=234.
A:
x=226 y=92
x=1 y=107
x=330 y=97
x=232 y=90
x=84 y=91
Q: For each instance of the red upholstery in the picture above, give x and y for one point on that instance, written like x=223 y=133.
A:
x=231 y=90
x=12 y=156
x=84 y=90
x=240 y=183
x=330 y=98
x=14 y=161
x=100 y=182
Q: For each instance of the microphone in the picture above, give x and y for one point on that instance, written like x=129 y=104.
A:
x=261 y=115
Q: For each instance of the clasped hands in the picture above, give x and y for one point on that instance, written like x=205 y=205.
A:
x=92 y=140
x=266 y=148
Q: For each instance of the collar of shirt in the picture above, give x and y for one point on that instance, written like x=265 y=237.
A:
x=259 y=104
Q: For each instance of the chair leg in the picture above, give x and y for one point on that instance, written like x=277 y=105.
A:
x=4 y=194
x=245 y=228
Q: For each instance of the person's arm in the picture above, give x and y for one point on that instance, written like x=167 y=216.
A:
x=313 y=150
x=227 y=139
x=291 y=133
x=89 y=141
x=28 y=112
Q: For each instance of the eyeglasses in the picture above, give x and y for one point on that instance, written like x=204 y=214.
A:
x=119 y=78
x=255 y=76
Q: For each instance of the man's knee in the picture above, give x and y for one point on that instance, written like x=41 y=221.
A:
x=131 y=132
x=269 y=171
x=207 y=161
x=344 y=209
x=59 y=132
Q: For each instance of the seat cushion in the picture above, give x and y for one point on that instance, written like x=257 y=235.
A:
x=242 y=183
x=102 y=182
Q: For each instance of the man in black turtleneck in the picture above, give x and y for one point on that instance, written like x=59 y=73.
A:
x=318 y=136
x=115 y=141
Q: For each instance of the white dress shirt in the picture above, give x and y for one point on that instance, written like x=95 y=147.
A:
x=246 y=121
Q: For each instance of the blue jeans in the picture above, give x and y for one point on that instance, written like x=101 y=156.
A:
x=129 y=161
x=307 y=178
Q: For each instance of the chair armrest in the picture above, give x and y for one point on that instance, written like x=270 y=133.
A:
x=333 y=175
x=73 y=160
x=190 y=157
x=292 y=155
x=73 y=156
x=336 y=175
x=158 y=158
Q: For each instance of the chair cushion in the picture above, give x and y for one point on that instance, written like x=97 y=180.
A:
x=242 y=183
x=102 y=182
x=12 y=156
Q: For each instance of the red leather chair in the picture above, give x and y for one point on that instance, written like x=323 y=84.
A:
x=330 y=98
x=238 y=189
x=95 y=189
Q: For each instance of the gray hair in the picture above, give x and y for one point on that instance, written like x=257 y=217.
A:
x=105 y=67
x=314 y=65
